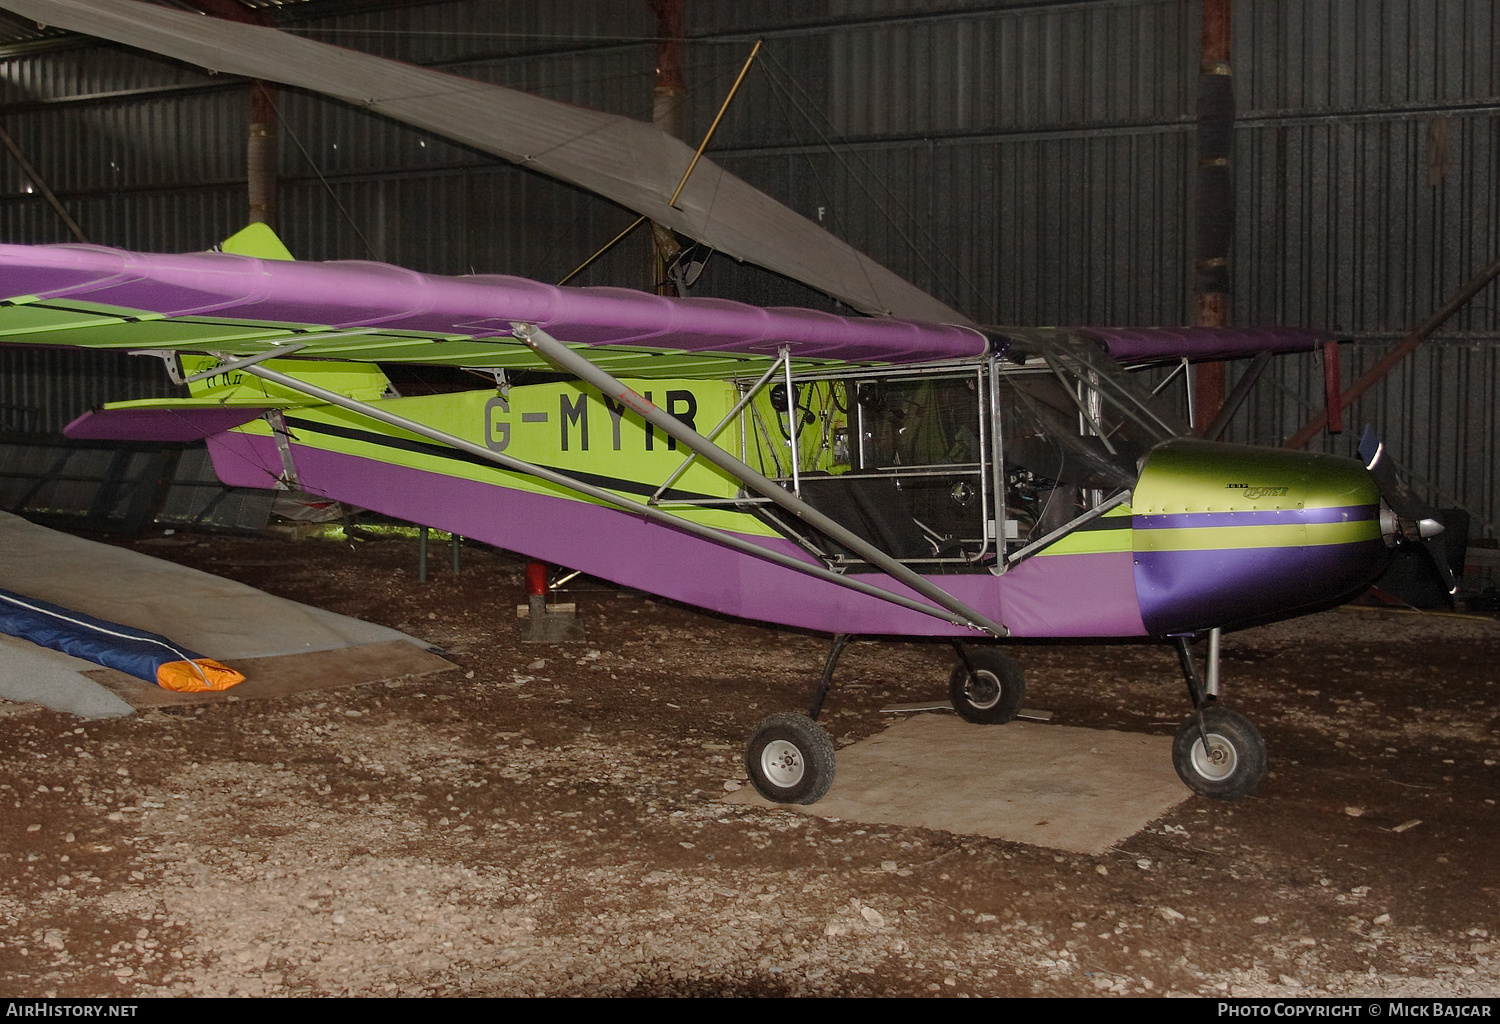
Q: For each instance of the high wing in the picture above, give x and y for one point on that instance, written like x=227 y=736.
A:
x=234 y=305
x=1136 y=346
x=632 y=163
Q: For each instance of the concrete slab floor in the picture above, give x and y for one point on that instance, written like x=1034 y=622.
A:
x=1059 y=787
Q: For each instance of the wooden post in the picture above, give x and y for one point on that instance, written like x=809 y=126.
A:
x=1214 y=199
x=260 y=146
x=668 y=112
x=260 y=155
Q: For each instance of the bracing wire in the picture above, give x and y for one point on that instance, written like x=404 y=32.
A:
x=784 y=81
x=348 y=218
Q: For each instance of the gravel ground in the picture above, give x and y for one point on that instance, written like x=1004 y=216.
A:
x=548 y=819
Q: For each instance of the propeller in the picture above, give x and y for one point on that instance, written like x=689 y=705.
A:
x=1404 y=515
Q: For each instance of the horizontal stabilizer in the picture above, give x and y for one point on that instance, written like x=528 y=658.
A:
x=182 y=422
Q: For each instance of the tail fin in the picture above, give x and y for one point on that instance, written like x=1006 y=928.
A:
x=256 y=239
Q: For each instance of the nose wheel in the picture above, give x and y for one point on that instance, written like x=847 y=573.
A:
x=1219 y=753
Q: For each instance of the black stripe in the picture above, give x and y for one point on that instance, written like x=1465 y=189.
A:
x=442 y=451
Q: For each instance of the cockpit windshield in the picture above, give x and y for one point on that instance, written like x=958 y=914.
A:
x=1074 y=428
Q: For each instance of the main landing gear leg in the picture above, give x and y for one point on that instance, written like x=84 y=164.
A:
x=840 y=641
x=1217 y=752
x=789 y=758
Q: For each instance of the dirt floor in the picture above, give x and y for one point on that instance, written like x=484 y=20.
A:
x=548 y=819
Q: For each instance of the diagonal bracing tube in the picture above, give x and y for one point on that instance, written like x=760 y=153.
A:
x=610 y=498
x=564 y=358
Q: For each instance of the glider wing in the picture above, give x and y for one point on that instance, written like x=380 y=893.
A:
x=630 y=162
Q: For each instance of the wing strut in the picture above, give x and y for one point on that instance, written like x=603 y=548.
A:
x=746 y=399
x=610 y=498
x=564 y=358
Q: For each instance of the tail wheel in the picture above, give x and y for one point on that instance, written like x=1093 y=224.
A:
x=1224 y=757
x=790 y=759
x=992 y=693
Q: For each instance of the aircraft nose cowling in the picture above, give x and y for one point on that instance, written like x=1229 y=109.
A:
x=1226 y=534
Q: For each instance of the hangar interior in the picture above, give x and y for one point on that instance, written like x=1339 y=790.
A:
x=498 y=812
x=1025 y=163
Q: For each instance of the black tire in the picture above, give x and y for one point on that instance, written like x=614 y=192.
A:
x=1233 y=763
x=993 y=694
x=790 y=759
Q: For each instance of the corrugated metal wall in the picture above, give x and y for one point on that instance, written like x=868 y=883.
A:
x=1028 y=162
x=1369 y=162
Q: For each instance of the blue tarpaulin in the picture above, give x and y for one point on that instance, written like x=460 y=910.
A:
x=136 y=652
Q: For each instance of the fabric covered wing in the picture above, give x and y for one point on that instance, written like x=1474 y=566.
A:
x=1133 y=345
x=632 y=163
x=94 y=297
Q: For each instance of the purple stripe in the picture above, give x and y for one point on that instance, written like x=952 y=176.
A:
x=1277 y=517
x=1085 y=595
x=1089 y=595
x=353 y=294
x=1190 y=590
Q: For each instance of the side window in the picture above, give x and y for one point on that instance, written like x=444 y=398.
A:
x=900 y=461
x=921 y=440
x=918 y=423
x=1062 y=453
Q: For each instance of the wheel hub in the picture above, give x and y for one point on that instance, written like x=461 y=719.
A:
x=983 y=690
x=1216 y=762
x=782 y=763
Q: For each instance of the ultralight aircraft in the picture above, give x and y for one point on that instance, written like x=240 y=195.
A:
x=858 y=476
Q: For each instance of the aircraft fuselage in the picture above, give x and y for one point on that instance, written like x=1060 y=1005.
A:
x=1213 y=534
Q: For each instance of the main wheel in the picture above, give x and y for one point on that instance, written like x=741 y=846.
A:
x=790 y=759
x=992 y=693
x=1230 y=765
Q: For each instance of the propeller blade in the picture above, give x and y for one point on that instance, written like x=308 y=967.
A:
x=1393 y=488
x=1416 y=521
x=1437 y=547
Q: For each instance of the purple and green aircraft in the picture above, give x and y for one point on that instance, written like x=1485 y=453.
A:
x=854 y=476
x=903 y=474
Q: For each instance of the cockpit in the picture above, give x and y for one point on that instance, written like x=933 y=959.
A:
x=958 y=467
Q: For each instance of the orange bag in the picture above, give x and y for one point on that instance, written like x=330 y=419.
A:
x=197 y=676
